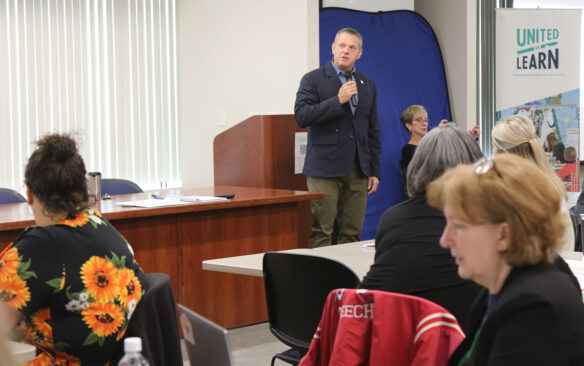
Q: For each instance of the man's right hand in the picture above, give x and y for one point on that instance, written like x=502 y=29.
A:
x=347 y=91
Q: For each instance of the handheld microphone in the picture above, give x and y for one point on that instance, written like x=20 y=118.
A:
x=349 y=77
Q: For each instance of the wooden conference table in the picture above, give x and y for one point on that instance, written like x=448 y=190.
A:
x=175 y=239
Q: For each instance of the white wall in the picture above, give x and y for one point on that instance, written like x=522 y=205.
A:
x=238 y=58
x=370 y=5
x=247 y=57
x=454 y=22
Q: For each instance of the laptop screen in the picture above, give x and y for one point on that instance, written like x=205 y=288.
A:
x=206 y=342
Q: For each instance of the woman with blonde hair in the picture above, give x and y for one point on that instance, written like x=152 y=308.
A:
x=516 y=135
x=531 y=312
x=415 y=120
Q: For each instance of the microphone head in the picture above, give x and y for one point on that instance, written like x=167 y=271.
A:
x=348 y=76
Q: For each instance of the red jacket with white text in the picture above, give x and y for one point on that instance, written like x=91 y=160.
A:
x=369 y=327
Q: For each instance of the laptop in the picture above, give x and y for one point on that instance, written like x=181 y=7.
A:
x=206 y=342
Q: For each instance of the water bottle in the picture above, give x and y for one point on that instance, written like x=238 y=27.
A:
x=132 y=353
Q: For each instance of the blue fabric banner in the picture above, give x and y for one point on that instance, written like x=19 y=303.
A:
x=401 y=54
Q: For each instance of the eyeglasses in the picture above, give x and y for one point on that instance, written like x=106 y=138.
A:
x=484 y=166
x=422 y=120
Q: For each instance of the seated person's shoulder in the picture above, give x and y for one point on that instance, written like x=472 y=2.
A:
x=34 y=238
x=547 y=282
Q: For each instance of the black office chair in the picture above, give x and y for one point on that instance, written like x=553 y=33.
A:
x=10 y=196
x=156 y=323
x=404 y=173
x=119 y=186
x=296 y=288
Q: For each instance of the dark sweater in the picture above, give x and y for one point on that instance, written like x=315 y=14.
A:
x=409 y=259
x=537 y=319
x=407 y=154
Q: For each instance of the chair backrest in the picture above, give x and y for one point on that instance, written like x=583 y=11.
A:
x=119 y=186
x=156 y=322
x=10 y=196
x=382 y=327
x=296 y=289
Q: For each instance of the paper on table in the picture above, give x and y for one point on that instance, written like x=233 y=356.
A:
x=152 y=203
x=369 y=245
x=201 y=198
x=196 y=198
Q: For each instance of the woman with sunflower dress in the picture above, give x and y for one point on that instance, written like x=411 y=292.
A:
x=69 y=284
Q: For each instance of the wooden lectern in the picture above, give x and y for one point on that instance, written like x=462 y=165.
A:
x=259 y=152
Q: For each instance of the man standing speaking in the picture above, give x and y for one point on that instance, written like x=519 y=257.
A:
x=338 y=104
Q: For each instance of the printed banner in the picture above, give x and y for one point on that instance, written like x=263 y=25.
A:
x=538 y=75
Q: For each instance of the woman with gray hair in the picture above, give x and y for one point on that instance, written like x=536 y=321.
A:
x=408 y=256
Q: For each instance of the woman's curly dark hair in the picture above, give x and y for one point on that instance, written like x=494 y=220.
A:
x=55 y=174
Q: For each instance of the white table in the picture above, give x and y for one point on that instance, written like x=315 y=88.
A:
x=576 y=262
x=353 y=255
x=22 y=352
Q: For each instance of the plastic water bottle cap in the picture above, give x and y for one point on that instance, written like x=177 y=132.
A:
x=133 y=344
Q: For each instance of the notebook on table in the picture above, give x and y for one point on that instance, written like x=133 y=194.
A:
x=206 y=342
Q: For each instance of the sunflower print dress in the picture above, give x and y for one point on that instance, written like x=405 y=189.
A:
x=76 y=284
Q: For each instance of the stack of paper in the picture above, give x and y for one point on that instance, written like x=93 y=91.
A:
x=170 y=200
x=152 y=203
x=198 y=198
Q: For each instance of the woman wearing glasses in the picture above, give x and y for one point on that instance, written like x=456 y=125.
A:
x=507 y=242
x=415 y=120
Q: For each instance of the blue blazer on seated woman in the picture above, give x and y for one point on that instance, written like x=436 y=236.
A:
x=533 y=296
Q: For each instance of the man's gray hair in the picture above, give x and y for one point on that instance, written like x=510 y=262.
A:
x=443 y=147
x=351 y=31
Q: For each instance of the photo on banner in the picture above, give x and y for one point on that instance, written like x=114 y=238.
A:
x=537 y=75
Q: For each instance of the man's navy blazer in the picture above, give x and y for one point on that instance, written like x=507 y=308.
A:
x=334 y=134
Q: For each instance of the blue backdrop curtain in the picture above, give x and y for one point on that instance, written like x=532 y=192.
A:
x=401 y=54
